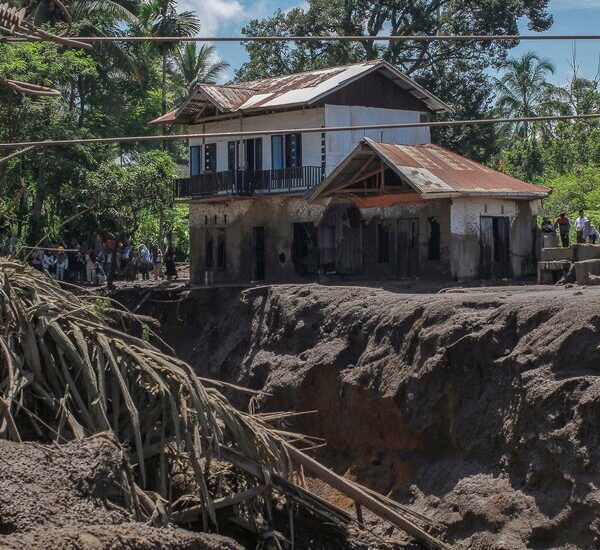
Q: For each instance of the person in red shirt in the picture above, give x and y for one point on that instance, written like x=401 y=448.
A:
x=563 y=224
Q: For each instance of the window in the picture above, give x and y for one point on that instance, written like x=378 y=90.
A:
x=277 y=152
x=383 y=244
x=210 y=157
x=253 y=153
x=293 y=150
x=221 y=251
x=194 y=160
x=232 y=155
x=286 y=151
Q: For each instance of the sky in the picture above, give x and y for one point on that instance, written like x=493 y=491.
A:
x=227 y=17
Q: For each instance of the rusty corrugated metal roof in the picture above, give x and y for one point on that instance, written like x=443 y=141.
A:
x=432 y=171
x=292 y=90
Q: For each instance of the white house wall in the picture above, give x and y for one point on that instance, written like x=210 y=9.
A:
x=465 y=229
x=311 y=143
x=340 y=144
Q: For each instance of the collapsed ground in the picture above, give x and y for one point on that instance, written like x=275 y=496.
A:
x=477 y=407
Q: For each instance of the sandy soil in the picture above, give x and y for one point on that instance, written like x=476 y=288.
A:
x=70 y=497
x=479 y=407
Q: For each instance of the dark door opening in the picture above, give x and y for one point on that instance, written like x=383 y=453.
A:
x=494 y=245
x=408 y=248
x=259 y=254
x=305 y=251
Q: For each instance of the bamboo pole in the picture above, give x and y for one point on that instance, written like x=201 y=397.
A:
x=360 y=496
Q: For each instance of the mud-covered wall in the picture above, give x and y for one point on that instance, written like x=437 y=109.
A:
x=465 y=222
x=235 y=219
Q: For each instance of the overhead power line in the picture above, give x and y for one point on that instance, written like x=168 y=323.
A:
x=313 y=130
x=353 y=38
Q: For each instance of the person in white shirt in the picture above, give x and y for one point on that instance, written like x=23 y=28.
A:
x=48 y=262
x=579 y=225
x=590 y=233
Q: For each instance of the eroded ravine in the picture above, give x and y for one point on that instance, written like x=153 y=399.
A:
x=478 y=408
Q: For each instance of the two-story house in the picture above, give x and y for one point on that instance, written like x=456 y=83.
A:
x=252 y=215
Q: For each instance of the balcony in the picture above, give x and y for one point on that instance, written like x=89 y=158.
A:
x=248 y=182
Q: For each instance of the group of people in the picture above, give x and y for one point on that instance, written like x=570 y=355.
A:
x=585 y=230
x=92 y=261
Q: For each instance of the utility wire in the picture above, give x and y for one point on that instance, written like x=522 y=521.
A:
x=319 y=129
x=351 y=38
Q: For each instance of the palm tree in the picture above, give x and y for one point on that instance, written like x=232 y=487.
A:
x=523 y=90
x=161 y=18
x=198 y=65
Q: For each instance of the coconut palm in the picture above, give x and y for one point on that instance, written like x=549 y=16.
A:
x=195 y=65
x=160 y=18
x=523 y=90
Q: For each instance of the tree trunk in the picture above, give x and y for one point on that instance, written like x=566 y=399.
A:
x=35 y=219
x=164 y=92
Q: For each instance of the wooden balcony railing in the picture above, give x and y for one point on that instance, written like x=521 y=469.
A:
x=248 y=182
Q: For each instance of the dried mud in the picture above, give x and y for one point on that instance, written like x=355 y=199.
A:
x=69 y=497
x=479 y=408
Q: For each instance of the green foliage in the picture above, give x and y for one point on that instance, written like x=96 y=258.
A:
x=134 y=199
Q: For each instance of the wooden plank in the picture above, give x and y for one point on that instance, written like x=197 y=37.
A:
x=193 y=513
x=360 y=496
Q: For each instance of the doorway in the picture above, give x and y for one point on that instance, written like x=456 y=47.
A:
x=494 y=245
x=259 y=254
x=305 y=251
x=408 y=248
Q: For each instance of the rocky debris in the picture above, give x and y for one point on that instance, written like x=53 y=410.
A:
x=479 y=408
x=70 y=496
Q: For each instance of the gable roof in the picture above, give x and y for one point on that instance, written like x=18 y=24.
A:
x=432 y=171
x=293 y=90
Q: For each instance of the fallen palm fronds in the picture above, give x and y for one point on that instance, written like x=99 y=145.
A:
x=66 y=373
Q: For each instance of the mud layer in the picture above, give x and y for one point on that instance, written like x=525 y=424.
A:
x=69 y=496
x=479 y=408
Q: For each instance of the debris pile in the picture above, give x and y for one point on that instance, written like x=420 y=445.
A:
x=67 y=374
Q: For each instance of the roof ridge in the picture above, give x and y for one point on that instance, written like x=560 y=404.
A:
x=367 y=62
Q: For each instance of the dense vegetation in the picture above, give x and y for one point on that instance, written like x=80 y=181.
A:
x=116 y=89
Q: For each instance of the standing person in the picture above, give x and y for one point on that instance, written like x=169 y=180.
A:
x=145 y=261
x=48 y=262
x=579 y=225
x=590 y=233
x=61 y=264
x=72 y=257
x=157 y=260
x=90 y=266
x=563 y=224
x=170 y=261
x=125 y=255
x=99 y=274
x=37 y=259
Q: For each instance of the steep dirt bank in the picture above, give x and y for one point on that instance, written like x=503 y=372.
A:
x=70 y=496
x=479 y=408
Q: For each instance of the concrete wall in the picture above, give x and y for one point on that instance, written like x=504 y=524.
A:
x=428 y=269
x=459 y=221
x=340 y=144
x=337 y=144
x=465 y=229
x=238 y=218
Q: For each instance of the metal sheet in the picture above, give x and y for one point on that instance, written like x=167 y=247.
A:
x=294 y=89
